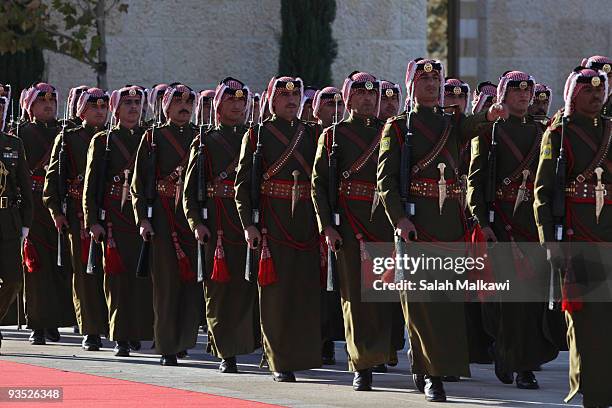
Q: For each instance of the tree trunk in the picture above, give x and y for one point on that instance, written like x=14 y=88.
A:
x=101 y=31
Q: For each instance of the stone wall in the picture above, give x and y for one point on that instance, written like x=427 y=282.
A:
x=546 y=38
x=200 y=42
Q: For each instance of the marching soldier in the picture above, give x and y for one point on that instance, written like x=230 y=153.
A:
x=601 y=63
x=283 y=227
x=390 y=97
x=204 y=110
x=70 y=153
x=327 y=111
x=305 y=112
x=154 y=100
x=522 y=342
x=485 y=95
x=571 y=206
x=73 y=98
x=230 y=299
x=356 y=140
x=433 y=141
x=541 y=103
x=177 y=297
x=48 y=289
x=15 y=213
x=110 y=165
x=325 y=108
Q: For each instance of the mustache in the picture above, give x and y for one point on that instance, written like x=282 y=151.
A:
x=184 y=111
x=292 y=105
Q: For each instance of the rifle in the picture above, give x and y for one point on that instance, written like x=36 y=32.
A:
x=202 y=276
x=490 y=182
x=404 y=190
x=250 y=273
x=92 y=259
x=62 y=189
x=332 y=273
x=558 y=213
x=142 y=269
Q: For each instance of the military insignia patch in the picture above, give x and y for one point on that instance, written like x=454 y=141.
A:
x=542 y=96
x=475 y=146
x=47 y=96
x=132 y=92
x=546 y=151
x=606 y=68
x=457 y=90
x=100 y=102
x=385 y=144
x=289 y=86
x=369 y=85
x=11 y=155
x=239 y=93
x=389 y=93
x=428 y=67
x=595 y=81
x=337 y=97
x=523 y=85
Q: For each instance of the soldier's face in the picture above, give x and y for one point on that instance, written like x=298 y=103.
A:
x=287 y=103
x=231 y=111
x=44 y=110
x=590 y=100
x=180 y=110
x=95 y=115
x=459 y=100
x=539 y=107
x=307 y=112
x=128 y=111
x=427 y=88
x=327 y=113
x=363 y=102
x=518 y=100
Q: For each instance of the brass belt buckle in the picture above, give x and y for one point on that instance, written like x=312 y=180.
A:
x=3 y=202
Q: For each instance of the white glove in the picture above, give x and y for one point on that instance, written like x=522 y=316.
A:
x=24 y=232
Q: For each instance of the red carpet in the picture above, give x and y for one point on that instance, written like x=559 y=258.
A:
x=88 y=391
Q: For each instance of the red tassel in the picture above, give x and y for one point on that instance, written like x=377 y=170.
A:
x=267 y=274
x=85 y=240
x=479 y=250
x=185 y=270
x=323 y=264
x=30 y=256
x=571 y=301
x=113 y=265
x=220 y=272
x=367 y=265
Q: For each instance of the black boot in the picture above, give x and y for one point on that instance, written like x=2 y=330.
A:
x=434 y=390
x=363 y=380
x=168 y=360
x=283 y=376
x=328 y=354
x=525 y=380
x=122 y=349
x=393 y=360
x=228 y=365
x=419 y=382
x=37 y=337
x=181 y=354
x=90 y=342
x=380 y=368
x=135 y=345
x=505 y=376
x=52 y=335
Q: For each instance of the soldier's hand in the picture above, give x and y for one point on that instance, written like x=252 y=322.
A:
x=60 y=222
x=332 y=238
x=252 y=236
x=146 y=230
x=202 y=234
x=496 y=111
x=97 y=232
x=554 y=253
x=406 y=230
x=488 y=234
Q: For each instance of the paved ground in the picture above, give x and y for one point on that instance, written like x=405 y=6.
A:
x=326 y=387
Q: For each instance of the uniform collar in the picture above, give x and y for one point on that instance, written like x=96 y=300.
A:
x=586 y=122
x=362 y=121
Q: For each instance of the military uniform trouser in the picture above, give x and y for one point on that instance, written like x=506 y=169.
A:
x=10 y=273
